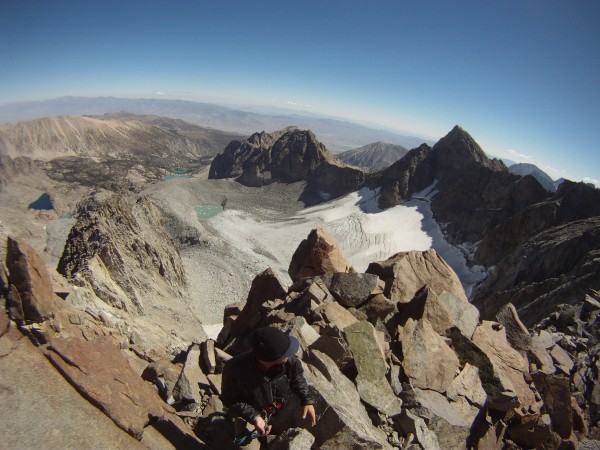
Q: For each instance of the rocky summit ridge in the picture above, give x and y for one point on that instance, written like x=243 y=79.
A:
x=396 y=357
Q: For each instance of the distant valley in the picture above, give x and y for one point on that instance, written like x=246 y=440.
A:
x=338 y=135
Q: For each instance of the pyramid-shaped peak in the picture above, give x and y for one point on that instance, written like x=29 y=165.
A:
x=459 y=133
x=458 y=150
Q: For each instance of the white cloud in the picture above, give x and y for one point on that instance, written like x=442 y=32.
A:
x=160 y=93
x=591 y=180
x=297 y=104
x=516 y=154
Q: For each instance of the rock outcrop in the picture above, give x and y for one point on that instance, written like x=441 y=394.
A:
x=102 y=374
x=318 y=254
x=99 y=362
x=557 y=266
x=120 y=249
x=289 y=155
x=31 y=298
x=407 y=273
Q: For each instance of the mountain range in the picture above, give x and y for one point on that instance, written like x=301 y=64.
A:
x=480 y=203
x=103 y=279
x=338 y=135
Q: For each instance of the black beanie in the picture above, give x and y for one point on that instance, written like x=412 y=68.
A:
x=270 y=344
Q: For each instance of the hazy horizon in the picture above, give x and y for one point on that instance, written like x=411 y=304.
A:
x=521 y=77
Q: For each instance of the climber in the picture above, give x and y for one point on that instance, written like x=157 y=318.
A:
x=265 y=387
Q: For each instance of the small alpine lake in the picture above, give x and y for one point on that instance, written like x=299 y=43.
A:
x=207 y=211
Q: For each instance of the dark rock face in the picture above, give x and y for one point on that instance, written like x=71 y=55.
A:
x=474 y=192
x=287 y=156
x=403 y=178
x=556 y=266
x=573 y=201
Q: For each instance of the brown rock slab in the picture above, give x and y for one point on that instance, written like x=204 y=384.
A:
x=562 y=359
x=338 y=405
x=222 y=357
x=539 y=356
x=187 y=388
x=557 y=401
x=509 y=366
x=415 y=425
x=265 y=286
x=444 y=418
x=40 y=409
x=293 y=439
x=100 y=372
x=516 y=333
x=335 y=314
x=29 y=276
x=428 y=361
x=443 y=311
x=208 y=355
x=542 y=339
x=406 y=273
x=466 y=392
x=318 y=254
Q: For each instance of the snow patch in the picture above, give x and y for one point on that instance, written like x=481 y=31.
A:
x=364 y=232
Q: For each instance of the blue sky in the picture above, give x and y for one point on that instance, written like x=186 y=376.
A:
x=521 y=76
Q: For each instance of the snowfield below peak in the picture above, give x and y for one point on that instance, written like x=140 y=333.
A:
x=262 y=227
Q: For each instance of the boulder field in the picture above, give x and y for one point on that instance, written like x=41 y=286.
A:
x=397 y=358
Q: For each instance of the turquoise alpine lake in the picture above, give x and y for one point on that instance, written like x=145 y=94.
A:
x=207 y=211
x=172 y=177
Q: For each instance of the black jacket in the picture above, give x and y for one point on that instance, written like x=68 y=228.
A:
x=245 y=390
